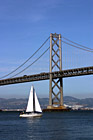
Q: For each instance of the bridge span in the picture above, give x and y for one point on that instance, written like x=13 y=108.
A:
x=46 y=76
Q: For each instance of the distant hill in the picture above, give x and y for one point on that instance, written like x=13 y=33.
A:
x=87 y=102
x=14 y=103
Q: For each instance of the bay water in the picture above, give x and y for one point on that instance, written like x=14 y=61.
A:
x=73 y=125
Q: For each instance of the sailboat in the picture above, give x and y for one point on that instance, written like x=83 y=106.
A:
x=33 y=107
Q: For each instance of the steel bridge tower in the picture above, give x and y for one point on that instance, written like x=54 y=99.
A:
x=56 y=85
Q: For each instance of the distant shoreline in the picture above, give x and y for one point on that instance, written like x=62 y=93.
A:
x=20 y=110
x=21 y=104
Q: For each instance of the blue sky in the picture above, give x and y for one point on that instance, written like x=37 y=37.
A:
x=25 y=25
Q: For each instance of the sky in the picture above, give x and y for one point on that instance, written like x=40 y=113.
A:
x=25 y=25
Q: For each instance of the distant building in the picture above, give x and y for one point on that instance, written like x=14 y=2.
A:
x=76 y=107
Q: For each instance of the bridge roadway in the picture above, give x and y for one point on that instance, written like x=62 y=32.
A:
x=46 y=76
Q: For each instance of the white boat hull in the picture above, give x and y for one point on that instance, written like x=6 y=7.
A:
x=31 y=115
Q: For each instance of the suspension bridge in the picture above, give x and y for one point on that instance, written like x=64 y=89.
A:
x=57 y=69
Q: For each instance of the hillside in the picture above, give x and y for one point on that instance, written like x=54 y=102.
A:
x=14 y=103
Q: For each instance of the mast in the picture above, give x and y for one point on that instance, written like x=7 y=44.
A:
x=33 y=99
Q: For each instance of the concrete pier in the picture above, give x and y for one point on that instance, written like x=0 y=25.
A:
x=56 y=109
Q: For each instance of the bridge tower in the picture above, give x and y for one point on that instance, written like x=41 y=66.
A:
x=56 y=85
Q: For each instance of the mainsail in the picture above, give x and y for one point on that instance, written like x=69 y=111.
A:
x=30 y=101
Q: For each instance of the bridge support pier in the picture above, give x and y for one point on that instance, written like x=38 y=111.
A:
x=56 y=85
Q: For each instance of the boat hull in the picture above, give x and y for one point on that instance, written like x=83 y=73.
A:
x=31 y=115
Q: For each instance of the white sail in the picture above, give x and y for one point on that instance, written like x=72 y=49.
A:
x=33 y=106
x=37 y=105
x=30 y=101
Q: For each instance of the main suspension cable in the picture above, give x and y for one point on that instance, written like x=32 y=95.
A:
x=77 y=43
x=77 y=46
x=31 y=63
x=26 y=60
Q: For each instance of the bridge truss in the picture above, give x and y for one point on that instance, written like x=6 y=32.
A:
x=45 y=76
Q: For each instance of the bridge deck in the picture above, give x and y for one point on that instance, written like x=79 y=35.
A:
x=45 y=76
